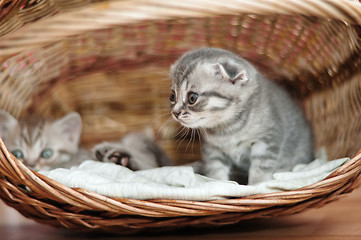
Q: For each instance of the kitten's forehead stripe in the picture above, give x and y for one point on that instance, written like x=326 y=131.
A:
x=184 y=86
x=32 y=130
x=215 y=109
x=182 y=73
x=25 y=137
x=216 y=94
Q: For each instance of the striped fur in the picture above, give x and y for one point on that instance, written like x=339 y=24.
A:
x=250 y=127
x=33 y=135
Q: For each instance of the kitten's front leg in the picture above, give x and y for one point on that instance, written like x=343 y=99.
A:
x=263 y=163
x=216 y=169
x=213 y=164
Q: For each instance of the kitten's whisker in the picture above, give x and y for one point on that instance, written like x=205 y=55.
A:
x=169 y=75
x=180 y=133
x=166 y=122
x=183 y=137
x=163 y=126
x=186 y=133
x=190 y=140
x=193 y=138
x=199 y=136
x=205 y=133
x=159 y=116
x=164 y=75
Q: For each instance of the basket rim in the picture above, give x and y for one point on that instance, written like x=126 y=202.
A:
x=14 y=169
x=106 y=14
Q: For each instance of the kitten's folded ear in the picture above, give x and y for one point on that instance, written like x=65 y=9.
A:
x=70 y=126
x=231 y=72
x=7 y=123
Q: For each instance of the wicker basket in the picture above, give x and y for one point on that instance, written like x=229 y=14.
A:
x=109 y=60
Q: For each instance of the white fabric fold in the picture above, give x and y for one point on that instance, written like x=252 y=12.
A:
x=180 y=182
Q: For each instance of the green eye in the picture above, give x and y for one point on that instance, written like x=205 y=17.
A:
x=18 y=154
x=192 y=97
x=47 y=153
x=172 y=97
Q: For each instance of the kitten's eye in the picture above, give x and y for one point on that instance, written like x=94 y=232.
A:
x=47 y=153
x=192 y=97
x=172 y=97
x=18 y=154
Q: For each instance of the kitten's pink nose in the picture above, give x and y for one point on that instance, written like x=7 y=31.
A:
x=176 y=114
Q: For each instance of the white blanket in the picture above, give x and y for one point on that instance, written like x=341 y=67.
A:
x=181 y=182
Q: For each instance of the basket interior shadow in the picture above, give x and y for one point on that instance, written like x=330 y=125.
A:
x=115 y=74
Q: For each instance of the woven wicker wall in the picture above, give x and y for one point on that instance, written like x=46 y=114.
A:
x=109 y=60
x=116 y=76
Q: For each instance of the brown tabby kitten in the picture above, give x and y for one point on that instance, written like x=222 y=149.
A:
x=42 y=144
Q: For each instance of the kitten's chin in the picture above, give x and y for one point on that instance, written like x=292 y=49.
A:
x=194 y=124
x=187 y=124
x=202 y=125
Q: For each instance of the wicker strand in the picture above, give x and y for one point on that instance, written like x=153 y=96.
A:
x=123 y=12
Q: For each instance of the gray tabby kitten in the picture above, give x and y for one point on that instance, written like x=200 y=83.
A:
x=250 y=126
x=43 y=144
